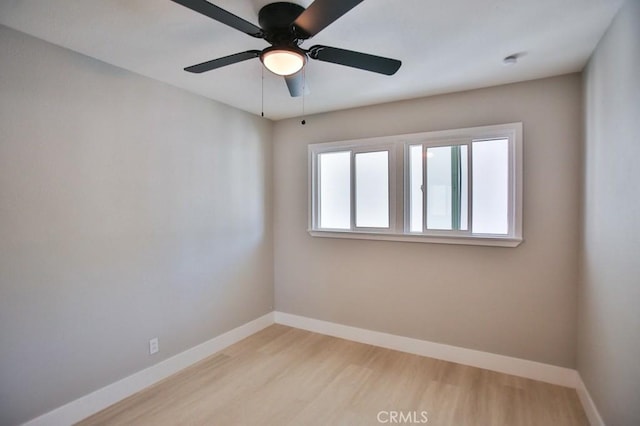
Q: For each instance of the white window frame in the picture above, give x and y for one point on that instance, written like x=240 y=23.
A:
x=399 y=199
x=354 y=147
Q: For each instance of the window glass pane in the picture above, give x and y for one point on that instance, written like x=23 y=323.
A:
x=490 y=186
x=335 y=190
x=372 y=189
x=447 y=188
x=415 y=188
x=439 y=187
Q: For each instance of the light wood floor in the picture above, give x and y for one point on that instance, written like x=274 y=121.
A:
x=285 y=376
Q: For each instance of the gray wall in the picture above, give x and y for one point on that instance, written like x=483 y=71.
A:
x=609 y=303
x=128 y=209
x=512 y=301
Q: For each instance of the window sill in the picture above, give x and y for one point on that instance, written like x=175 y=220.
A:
x=430 y=239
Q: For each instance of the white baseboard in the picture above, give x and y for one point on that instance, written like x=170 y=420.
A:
x=500 y=363
x=589 y=406
x=102 y=398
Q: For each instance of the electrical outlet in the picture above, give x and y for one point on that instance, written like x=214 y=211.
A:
x=154 y=346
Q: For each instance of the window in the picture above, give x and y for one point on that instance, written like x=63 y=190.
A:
x=354 y=188
x=372 y=189
x=335 y=190
x=456 y=186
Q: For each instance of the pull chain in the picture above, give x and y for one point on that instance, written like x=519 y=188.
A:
x=304 y=89
x=262 y=90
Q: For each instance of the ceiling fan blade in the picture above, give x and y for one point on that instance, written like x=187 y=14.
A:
x=322 y=13
x=363 y=61
x=296 y=84
x=221 y=15
x=224 y=61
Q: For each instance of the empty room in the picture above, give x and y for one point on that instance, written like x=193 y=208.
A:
x=319 y=212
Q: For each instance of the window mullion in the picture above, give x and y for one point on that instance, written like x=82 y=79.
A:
x=455 y=188
x=424 y=188
x=470 y=186
x=405 y=166
x=352 y=192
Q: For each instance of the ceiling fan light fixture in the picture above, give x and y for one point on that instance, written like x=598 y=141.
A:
x=283 y=60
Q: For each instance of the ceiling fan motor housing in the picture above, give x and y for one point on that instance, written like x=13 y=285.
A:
x=276 y=21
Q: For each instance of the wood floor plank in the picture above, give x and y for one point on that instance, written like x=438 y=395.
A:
x=286 y=376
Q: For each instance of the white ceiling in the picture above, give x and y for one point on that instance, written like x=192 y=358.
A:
x=444 y=45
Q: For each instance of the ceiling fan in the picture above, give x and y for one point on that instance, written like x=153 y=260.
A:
x=285 y=26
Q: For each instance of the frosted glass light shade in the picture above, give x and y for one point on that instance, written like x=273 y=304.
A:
x=283 y=60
